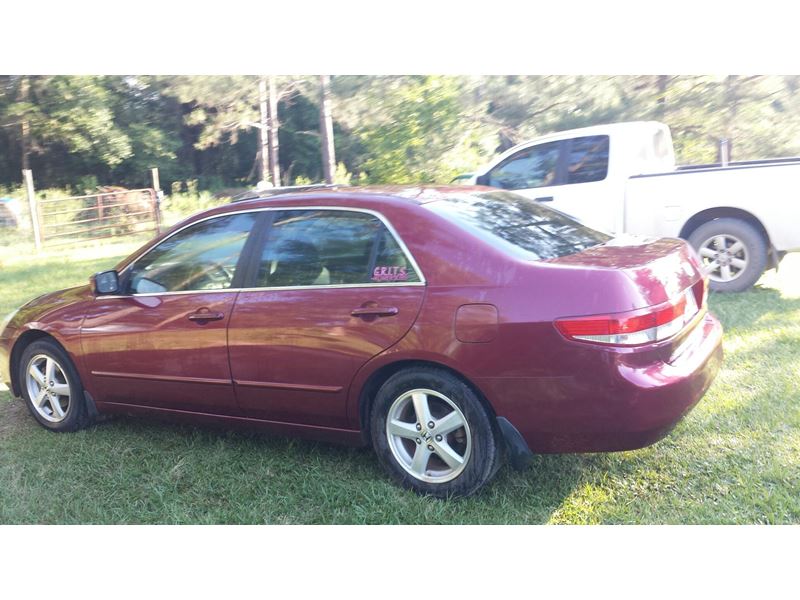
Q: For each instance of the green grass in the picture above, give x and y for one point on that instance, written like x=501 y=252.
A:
x=734 y=459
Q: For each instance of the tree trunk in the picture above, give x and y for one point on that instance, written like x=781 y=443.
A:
x=732 y=103
x=272 y=133
x=326 y=130
x=25 y=137
x=263 y=130
x=661 y=99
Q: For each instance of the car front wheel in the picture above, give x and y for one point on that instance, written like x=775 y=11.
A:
x=433 y=434
x=51 y=387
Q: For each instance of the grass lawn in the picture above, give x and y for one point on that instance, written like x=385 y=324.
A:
x=734 y=459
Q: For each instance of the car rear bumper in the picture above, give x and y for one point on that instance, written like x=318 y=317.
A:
x=630 y=406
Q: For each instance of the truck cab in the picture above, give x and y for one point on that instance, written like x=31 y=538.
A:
x=579 y=170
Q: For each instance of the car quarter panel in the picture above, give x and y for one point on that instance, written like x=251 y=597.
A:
x=561 y=395
x=523 y=343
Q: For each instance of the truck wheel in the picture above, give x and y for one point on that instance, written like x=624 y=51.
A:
x=733 y=252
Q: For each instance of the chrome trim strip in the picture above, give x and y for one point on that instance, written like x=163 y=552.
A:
x=409 y=256
x=274 y=289
x=169 y=378
x=327 y=389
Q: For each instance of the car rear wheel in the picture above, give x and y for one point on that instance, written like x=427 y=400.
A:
x=51 y=387
x=433 y=434
x=733 y=252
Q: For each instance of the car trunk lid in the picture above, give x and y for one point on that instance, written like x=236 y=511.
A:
x=659 y=269
x=666 y=291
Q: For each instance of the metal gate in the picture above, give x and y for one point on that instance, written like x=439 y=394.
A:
x=106 y=214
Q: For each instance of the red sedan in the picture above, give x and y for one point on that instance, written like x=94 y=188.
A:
x=446 y=327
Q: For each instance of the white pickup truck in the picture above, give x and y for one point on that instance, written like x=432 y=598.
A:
x=741 y=217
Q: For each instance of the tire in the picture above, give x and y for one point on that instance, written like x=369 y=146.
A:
x=468 y=433
x=733 y=251
x=54 y=396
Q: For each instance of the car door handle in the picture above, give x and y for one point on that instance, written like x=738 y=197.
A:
x=203 y=316
x=545 y=199
x=375 y=311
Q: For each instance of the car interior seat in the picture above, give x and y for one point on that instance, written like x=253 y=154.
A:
x=295 y=263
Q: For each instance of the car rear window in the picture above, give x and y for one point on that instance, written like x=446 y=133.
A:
x=519 y=226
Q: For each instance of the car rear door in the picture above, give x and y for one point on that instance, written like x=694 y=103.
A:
x=329 y=289
x=163 y=342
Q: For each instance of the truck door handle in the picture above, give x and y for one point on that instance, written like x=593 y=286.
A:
x=202 y=316
x=375 y=311
x=545 y=199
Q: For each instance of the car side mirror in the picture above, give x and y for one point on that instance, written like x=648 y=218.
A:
x=482 y=180
x=106 y=282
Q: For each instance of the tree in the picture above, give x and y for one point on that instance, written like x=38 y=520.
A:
x=264 y=154
x=272 y=133
x=57 y=124
x=78 y=131
x=419 y=134
x=326 y=130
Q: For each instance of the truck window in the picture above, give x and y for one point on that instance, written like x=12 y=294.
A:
x=530 y=168
x=588 y=159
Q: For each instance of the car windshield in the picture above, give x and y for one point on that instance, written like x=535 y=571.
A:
x=517 y=225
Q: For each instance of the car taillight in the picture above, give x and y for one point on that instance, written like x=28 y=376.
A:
x=633 y=328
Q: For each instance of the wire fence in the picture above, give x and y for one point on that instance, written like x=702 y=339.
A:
x=111 y=213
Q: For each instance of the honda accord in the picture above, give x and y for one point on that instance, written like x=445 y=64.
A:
x=449 y=328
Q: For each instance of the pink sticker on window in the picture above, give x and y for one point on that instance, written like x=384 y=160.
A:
x=390 y=274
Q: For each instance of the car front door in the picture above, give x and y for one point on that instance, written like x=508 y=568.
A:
x=162 y=343
x=330 y=289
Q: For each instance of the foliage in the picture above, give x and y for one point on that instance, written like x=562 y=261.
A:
x=180 y=204
x=387 y=129
x=342 y=176
x=422 y=138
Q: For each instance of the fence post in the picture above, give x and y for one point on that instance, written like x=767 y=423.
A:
x=159 y=195
x=27 y=176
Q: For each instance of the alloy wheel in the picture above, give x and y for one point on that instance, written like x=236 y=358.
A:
x=428 y=435
x=724 y=257
x=48 y=388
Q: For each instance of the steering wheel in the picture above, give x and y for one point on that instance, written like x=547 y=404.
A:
x=212 y=276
